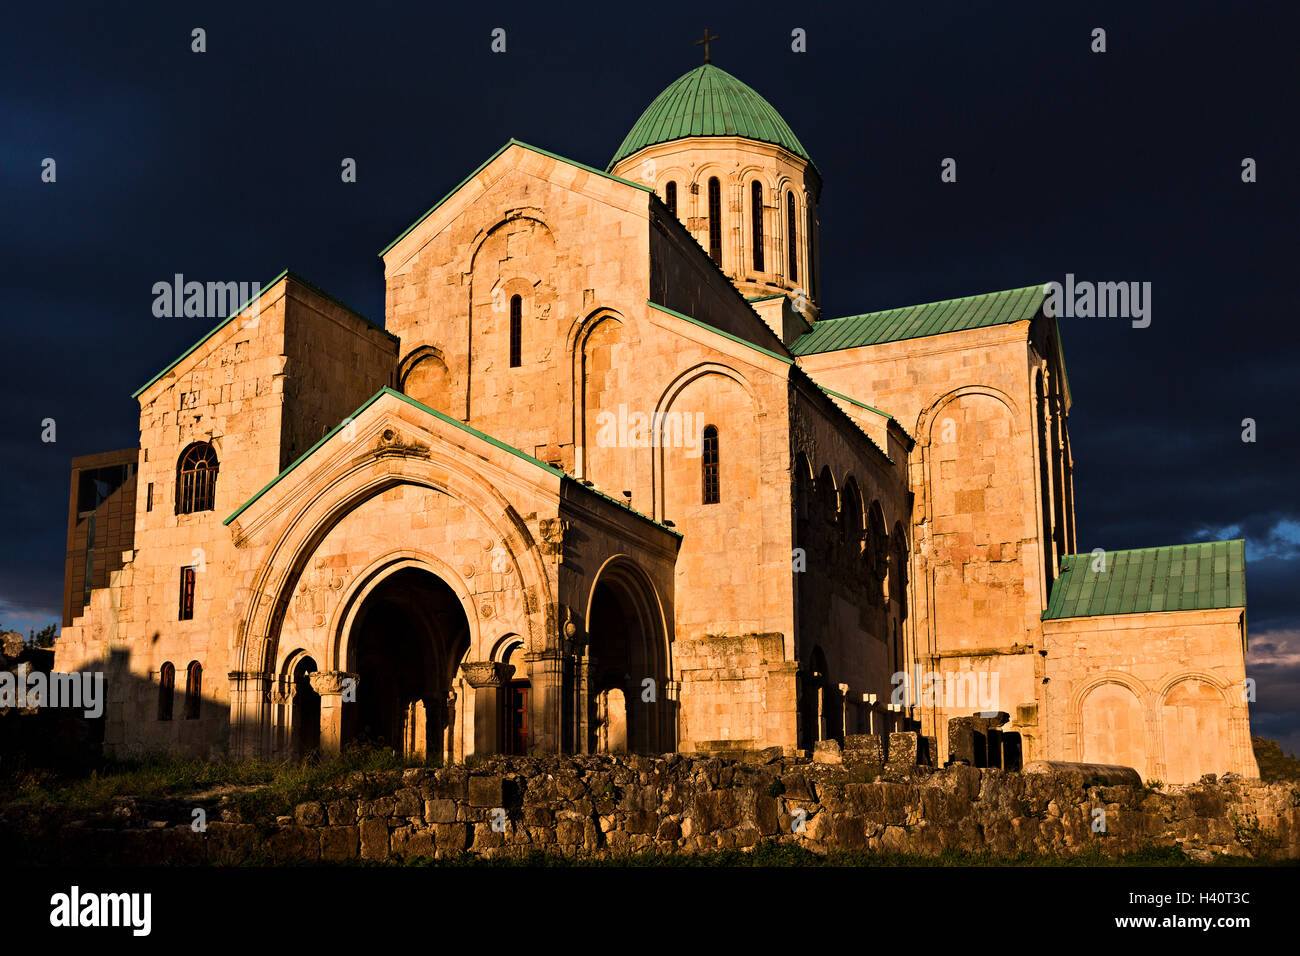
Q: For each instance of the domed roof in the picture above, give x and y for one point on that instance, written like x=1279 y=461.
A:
x=708 y=102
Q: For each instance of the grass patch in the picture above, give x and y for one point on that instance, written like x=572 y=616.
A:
x=256 y=786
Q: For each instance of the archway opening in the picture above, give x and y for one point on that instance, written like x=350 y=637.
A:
x=407 y=639
x=629 y=708
x=515 y=703
x=306 y=708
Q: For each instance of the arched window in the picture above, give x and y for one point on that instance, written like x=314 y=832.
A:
x=715 y=220
x=166 y=690
x=670 y=196
x=516 y=331
x=791 y=239
x=756 y=211
x=712 y=486
x=811 y=235
x=196 y=479
x=193 y=689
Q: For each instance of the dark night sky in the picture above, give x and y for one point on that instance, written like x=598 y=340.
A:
x=1123 y=166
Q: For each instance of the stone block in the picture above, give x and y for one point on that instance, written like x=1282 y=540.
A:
x=374 y=839
x=902 y=749
x=486 y=791
x=339 y=844
x=827 y=751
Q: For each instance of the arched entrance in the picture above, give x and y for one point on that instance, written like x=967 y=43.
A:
x=405 y=642
x=630 y=706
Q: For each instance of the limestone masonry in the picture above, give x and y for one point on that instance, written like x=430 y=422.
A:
x=608 y=481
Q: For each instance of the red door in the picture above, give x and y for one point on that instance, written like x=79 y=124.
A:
x=516 y=722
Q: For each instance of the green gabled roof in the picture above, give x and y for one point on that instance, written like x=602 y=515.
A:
x=915 y=321
x=454 y=422
x=286 y=274
x=487 y=162
x=1185 y=577
x=717 y=331
x=708 y=102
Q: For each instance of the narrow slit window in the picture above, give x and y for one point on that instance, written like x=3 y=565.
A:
x=516 y=331
x=810 y=236
x=712 y=489
x=715 y=220
x=166 y=690
x=756 y=201
x=670 y=196
x=791 y=239
x=187 y=593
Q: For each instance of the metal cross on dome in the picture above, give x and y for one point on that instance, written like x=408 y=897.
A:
x=707 y=39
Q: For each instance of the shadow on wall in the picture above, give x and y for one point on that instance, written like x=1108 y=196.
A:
x=81 y=717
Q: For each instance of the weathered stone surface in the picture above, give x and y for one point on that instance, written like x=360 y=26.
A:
x=1086 y=774
x=486 y=791
x=374 y=839
x=827 y=751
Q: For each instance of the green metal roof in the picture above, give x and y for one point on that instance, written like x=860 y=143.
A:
x=915 y=321
x=1185 y=577
x=455 y=423
x=708 y=102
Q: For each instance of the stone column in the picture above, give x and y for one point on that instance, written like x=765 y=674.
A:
x=487 y=678
x=546 y=684
x=249 y=710
x=333 y=687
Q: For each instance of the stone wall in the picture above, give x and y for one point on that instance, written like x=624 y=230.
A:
x=609 y=806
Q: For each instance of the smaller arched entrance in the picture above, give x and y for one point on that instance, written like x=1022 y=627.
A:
x=630 y=705
x=306 y=708
x=515 y=701
x=404 y=644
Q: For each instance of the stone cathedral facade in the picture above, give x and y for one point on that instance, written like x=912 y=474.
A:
x=608 y=479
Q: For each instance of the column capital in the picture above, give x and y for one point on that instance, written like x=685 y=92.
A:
x=331 y=683
x=482 y=674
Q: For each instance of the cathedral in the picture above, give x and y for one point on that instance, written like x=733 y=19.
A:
x=607 y=479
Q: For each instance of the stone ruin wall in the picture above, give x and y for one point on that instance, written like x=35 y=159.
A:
x=600 y=806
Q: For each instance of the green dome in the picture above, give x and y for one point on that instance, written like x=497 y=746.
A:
x=709 y=102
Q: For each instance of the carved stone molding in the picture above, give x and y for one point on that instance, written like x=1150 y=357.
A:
x=331 y=683
x=482 y=674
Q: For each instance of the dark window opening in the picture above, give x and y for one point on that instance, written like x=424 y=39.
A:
x=811 y=239
x=757 y=212
x=516 y=331
x=148 y=497
x=95 y=485
x=187 y=593
x=791 y=239
x=193 y=689
x=166 y=690
x=715 y=220
x=670 y=197
x=712 y=488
